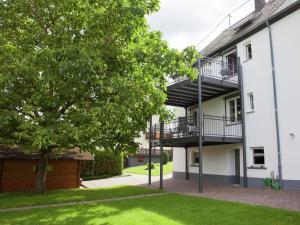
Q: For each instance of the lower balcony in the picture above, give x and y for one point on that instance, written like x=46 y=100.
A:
x=184 y=131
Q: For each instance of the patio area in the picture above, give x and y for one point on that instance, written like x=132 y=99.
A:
x=278 y=199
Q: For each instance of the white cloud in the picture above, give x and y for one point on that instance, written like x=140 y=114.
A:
x=186 y=22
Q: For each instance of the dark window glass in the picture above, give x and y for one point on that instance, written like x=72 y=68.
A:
x=232 y=110
x=249 y=51
x=259 y=156
x=196 y=158
x=238 y=109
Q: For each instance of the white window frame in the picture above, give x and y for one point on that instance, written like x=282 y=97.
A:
x=258 y=154
x=236 y=120
x=249 y=56
x=250 y=103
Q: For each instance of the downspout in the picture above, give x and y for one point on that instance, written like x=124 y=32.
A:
x=275 y=103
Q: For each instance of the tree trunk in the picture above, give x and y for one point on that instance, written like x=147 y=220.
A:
x=41 y=175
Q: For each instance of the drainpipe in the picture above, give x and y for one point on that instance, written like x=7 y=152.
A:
x=275 y=103
x=241 y=83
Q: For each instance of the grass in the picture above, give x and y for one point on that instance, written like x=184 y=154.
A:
x=169 y=209
x=167 y=169
x=14 y=200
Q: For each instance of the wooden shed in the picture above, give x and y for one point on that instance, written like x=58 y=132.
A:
x=18 y=170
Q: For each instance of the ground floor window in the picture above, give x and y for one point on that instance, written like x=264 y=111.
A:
x=258 y=156
x=195 y=158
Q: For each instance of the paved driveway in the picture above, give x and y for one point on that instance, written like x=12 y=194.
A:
x=279 y=199
x=132 y=179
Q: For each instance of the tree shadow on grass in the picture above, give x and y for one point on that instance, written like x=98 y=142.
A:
x=11 y=200
x=164 y=209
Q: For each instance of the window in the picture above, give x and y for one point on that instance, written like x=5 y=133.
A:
x=195 y=158
x=195 y=117
x=231 y=60
x=235 y=109
x=258 y=156
x=248 y=51
x=250 y=102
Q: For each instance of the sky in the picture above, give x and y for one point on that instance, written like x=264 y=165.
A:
x=187 y=22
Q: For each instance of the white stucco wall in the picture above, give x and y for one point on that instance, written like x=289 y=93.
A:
x=286 y=37
x=217 y=160
x=260 y=124
x=257 y=73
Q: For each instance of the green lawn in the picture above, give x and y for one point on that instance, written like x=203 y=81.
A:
x=167 y=169
x=165 y=209
x=13 y=200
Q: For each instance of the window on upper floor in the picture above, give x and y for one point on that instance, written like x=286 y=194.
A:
x=248 y=51
x=250 y=102
x=234 y=109
x=258 y=156
x=231 y=60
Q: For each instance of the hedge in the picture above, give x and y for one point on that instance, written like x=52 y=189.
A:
x=106 y=163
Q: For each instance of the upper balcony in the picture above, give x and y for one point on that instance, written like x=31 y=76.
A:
x=217 y=78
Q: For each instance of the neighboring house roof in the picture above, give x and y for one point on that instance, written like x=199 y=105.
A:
x=252 y=23
x=7 y=152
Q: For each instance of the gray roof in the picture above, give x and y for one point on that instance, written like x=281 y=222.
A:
x=248 y=25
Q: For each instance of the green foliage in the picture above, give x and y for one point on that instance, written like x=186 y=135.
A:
x=155 y=171
x=166 y=158
x=150 y=166
x=106 y=163
x=82 y=73
x=268 y=182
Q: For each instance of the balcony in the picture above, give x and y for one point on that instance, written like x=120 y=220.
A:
x=184 y=131
x=217 y=78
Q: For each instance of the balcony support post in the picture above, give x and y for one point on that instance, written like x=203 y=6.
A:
x=161 y=154
x=150 y=151
x=200 y=176
x=240 y=76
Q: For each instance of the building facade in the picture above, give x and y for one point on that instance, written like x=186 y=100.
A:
x=247 y=125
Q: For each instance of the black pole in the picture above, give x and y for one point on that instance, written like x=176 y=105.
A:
x=186 y=164
x=161 y=154
x=150 y=151
x=240 y=75
x=200 y=126
x=186 y=150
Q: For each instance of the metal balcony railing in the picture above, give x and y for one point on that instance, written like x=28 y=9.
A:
x=216 y=69
x=189 y=126
x=145 y=152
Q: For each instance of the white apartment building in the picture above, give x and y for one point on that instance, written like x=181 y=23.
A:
x=247 y=125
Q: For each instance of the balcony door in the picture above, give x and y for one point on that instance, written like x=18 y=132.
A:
x=231 y=60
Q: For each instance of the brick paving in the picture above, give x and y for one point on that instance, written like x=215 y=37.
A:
x=278 y=199
x=257 y=196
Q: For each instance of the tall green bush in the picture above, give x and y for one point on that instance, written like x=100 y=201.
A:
x=166 y=158
x=106 y=163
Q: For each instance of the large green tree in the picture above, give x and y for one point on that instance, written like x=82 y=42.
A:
x=81 y=73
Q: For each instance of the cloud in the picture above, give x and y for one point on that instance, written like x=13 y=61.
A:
x=186 y=22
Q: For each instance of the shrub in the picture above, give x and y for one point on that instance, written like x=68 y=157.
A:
x=166 y=158
x=268 y=182
x=106 y=163
x=152 y=166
